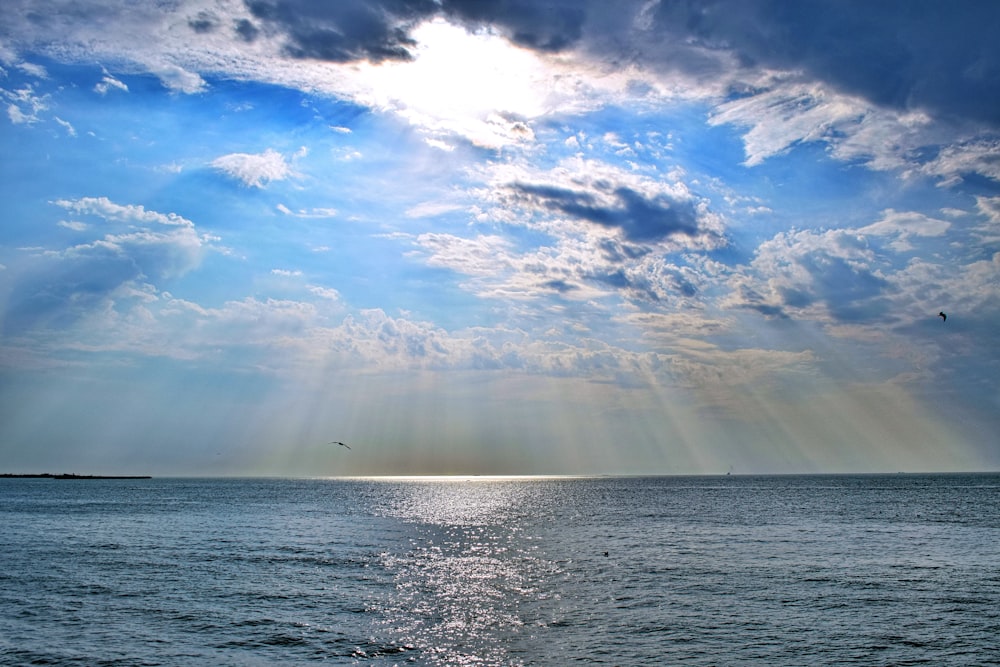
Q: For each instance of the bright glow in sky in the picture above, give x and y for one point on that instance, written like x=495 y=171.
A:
x=460 y=83
x=560 y=238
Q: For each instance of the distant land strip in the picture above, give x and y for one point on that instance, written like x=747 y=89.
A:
x=48 y=475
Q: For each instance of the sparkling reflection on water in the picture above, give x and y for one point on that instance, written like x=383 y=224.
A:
x=472 y=572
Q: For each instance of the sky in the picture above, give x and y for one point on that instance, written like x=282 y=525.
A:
x=515 y=237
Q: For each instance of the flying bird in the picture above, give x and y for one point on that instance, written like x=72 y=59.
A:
x=944 y=318
x=337 y=443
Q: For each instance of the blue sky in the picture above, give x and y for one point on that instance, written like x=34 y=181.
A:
x=512 y=238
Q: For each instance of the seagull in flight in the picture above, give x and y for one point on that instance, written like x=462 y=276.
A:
x=337 y=443
x=944 y=318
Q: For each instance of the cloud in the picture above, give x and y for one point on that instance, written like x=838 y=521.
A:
x=308 y=213
x=816 y=275
x=892 y=53
x=686 y=329
x=582 y=231
x=70 y=130
x=204 y=22
x=160 y=254
x=246 y=30
x=327 y=293
x=343 y=31
x=990 y=207
x=60 y=287
x=177 y=78
x=109 y=210
x=955 y=161
x=545 y=27
x=18 y=117
x=629 y=207
x=480 y=256
x=381 y=30
x=905 y=225
x=25 y=105
x=108 y=83
x=294 y=337
x=788 y=114
x=476 y=86
x=32 y=69
x=572 y=268
x=963 y=290
x=431 y=209
x=719 y=375
x=254 y=170
x=639 y=218
x=852 y=278
x=497 y=270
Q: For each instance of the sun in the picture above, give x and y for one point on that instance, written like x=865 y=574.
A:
x=474 y=84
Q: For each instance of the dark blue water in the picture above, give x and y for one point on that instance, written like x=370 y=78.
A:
x=868 y=570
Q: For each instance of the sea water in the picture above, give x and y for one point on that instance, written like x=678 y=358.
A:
x=729 y=570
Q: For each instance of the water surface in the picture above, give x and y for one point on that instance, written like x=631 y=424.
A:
x=786 y=570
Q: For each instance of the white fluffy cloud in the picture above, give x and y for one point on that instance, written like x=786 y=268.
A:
x=25 y=105
x=158 y=244
x=105 y=208
x=254 y=170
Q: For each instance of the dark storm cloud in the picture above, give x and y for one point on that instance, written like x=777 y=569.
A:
x=379 y=30
x=546 y=26
x=639 y=218
x=345 y=31
x=906 y=54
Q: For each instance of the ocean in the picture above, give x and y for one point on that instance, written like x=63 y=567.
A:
x=727 y=570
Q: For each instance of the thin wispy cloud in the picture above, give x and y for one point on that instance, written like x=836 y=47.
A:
x=109 y=83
